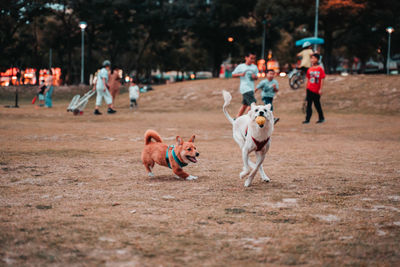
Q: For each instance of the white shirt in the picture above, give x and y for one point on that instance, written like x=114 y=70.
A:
x=246 y=82
x=134 y=92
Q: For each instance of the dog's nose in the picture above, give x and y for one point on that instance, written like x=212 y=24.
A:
x=197 y=154
x=261 y=113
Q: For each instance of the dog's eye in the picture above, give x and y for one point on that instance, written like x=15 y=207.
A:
x=189 y=149
x=256 y=109
x=265 y=110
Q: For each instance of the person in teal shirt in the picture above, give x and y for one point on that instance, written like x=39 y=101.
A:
x=268 y=88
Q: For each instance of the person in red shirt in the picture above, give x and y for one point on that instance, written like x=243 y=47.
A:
x=315 y=75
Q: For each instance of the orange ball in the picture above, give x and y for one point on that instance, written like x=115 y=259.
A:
x=260 y=120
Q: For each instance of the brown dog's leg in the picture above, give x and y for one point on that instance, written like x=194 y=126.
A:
x=181 y=173
x=148 y=166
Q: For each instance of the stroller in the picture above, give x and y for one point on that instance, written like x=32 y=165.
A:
x=78 y=103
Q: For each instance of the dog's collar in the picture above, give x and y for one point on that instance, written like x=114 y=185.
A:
x=261 y=144
x=180 y=163
x=258 y=144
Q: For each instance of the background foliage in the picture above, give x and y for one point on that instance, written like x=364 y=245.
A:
x=187 y=35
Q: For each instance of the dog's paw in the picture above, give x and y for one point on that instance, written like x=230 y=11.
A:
x=266 y=179
x=150 y=174
x=247 y=183
x=191 y=177
x=177 y=177
x=243 y=174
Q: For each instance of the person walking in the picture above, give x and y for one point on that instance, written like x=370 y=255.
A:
x=305 y=55
x=102 y=89
x=315 y=76
x=247 y=72
x=48 y=102
x=115 y=83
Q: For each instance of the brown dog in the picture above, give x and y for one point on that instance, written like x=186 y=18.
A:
x=174 y=157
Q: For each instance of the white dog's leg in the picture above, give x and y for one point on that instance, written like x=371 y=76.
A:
x=260 y=159
x=264 y=177
x=245 y=157
x=150 y=174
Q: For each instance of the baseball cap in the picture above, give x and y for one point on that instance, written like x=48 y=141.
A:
x=306 y=44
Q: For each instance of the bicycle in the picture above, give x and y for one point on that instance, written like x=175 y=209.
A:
x=296 y=78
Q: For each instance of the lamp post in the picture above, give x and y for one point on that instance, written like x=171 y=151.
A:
x=230 y=41
x=83 y=26
x=264 y=22
x=316 y=22
x=389 y=30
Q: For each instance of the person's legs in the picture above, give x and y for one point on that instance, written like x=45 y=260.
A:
x=268 y=100
x=109 y=101
x=99 y=99
x=318 y=107
x=41 y=100
x=248 y=99
x=242 y=110
x=309 y=99
x=48 y=100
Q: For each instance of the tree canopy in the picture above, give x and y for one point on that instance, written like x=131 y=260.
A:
x=141 y=35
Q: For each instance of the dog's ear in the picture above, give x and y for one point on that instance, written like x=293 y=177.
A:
x=268 y=106
x=179 y=140
x=191 y=140
x=253 y=105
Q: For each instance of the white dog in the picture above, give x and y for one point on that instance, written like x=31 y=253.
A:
x=252 y=137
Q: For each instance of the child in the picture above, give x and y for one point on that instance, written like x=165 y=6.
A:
x=268 y=88
x=247 y=72
x=133 y=93
x=41 y=92
x=315 y=74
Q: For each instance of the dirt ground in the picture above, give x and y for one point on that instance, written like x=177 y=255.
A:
x=73 y=190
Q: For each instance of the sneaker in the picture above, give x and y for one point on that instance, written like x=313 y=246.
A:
x=321 y=121
x=111 y=111
x=306 y=122
x=276 y=120
x=97 y=112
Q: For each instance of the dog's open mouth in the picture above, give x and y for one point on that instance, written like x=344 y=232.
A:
x=192 y=159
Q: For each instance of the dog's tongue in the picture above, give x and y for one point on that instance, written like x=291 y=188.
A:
x=192 y=159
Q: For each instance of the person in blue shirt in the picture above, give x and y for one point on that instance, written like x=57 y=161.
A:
x=269 y=87
x=248 y=74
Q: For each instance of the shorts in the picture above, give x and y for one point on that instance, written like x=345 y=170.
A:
x=248 y=98
x=41 y=97
x=101 y=94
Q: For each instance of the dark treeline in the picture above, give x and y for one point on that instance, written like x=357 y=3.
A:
x=187 y=35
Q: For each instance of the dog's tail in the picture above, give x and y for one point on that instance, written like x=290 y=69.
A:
x=149 y=134
x=227 y=99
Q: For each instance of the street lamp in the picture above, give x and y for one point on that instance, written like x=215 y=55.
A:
x=264 y=22
x=389 y=30
x=316 y=22
x=83 y=26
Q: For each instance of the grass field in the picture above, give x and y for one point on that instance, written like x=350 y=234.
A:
x=73 y=190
